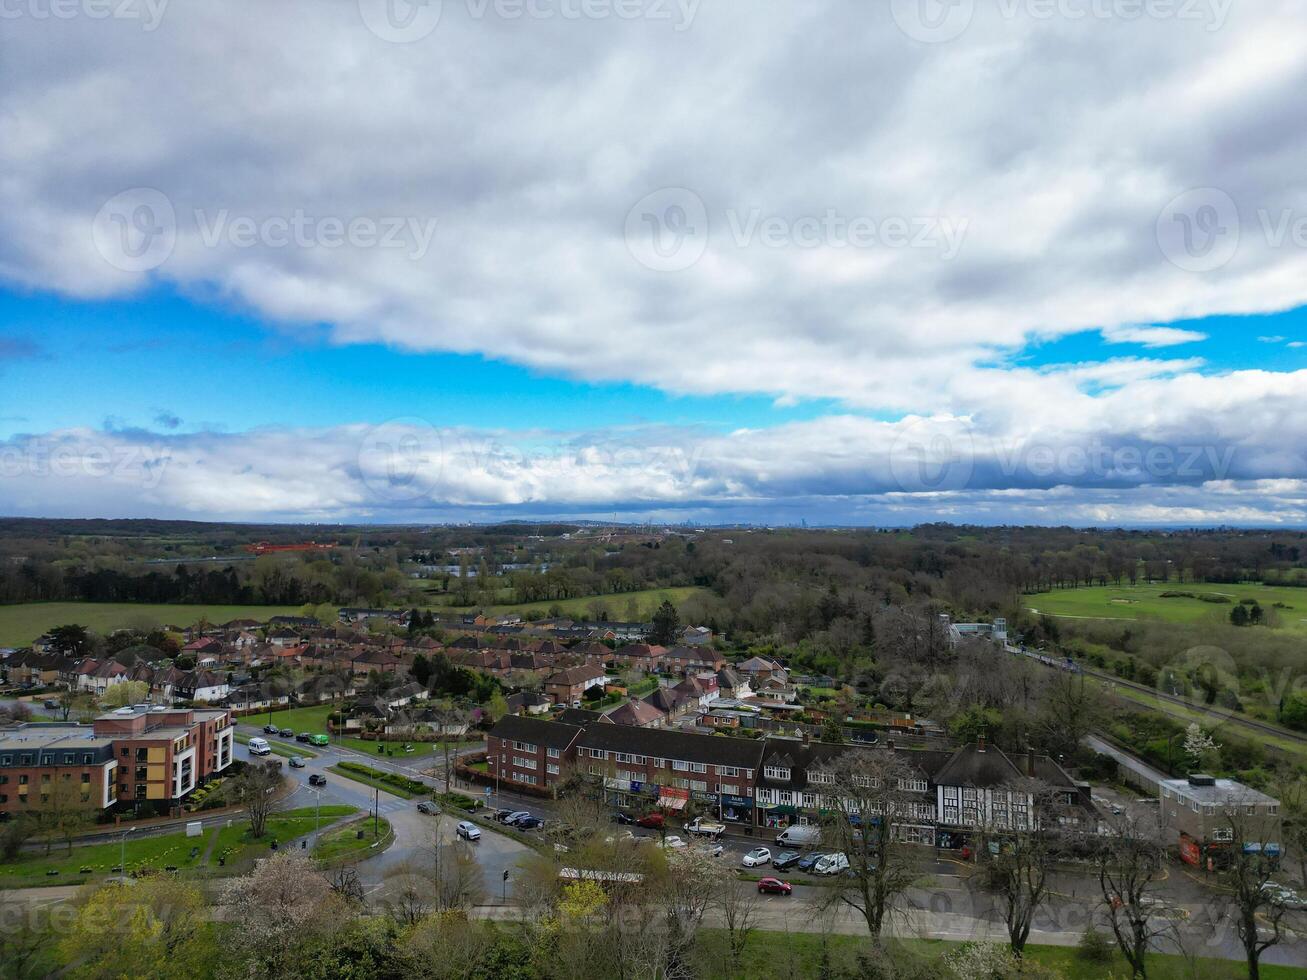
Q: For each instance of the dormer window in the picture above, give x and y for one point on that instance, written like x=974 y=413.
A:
x=776 y=772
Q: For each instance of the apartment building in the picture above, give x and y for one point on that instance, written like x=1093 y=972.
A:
x=530 y=751
x=148 y=757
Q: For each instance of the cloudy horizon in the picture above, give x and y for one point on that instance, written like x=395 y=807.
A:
x=671 y=260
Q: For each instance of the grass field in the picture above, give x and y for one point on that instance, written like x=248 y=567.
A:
x=159 y=852
x=315 y=720
x=21 y=624
x=1146 y=602
x=647 y=600
x=798 y=955
x=344 y=843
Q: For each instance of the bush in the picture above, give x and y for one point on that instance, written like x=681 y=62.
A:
x=1094 y=947
x=388 y=778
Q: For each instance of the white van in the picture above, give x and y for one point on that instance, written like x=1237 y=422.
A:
x=799 y=837
x=831 y=864
x=259 y=747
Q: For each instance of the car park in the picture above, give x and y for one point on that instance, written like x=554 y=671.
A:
x=296 y=762
x=429 y=808
x=317 y=779
x=785 y=859
x=468 y=830
x=758 y=856
x=774 y=886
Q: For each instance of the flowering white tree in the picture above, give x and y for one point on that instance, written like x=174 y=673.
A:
x=1198 y=743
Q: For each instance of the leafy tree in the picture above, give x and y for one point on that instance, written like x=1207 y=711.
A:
x=71 y=639
x=666 y=625
x=832 y=732
x=421 y=669
x=124 y=693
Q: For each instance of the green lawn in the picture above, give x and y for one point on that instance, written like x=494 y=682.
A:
x=314 y=720
x=344 y=842
x=367 y=780
x=161 y=851
x=1146 y=602
x=647 y=600
x=22 y=623
x=798 y=955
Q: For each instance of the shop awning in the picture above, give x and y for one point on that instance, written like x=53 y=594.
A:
x=673 y=799
x=783 y=809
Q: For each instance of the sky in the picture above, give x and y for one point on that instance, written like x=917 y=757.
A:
x=666 y=260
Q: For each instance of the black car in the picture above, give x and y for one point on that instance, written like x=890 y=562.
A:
x=502 y=815
x=317 y=779
x=809 y=861
x=287 y=733
x=303 y=737
x=529 y=823
x=270 y=729
x=785 y=859
x=623 y=818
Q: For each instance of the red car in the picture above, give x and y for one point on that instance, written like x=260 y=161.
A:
x=654 y=821
x=774 y=886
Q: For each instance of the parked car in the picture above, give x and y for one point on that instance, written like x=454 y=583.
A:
x=654 y=821
x=515 y=816
x=468 y=830
x=672 y=842
x=831 y=864
x=51 y=704
x=304 y=737
x=286 y=732
x=623 y=818
x=714 y=850
x=270 y=729
x=317 y=779
x=774 y=886
x=756 y=857
x=785 y=859
x=809 y=861
x=501 y=815
x=530 y=823
x=296 y=762
x=797 y=836
x=427 y=807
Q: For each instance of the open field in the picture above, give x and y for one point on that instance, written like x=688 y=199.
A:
x=22 y=623
x=343 y=843
x=1146 y=602
x=647 y=600
x=233 y=843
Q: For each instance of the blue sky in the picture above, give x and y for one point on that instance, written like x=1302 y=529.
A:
x=300 y=261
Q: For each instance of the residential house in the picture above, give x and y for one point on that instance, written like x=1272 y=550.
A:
x=640 y=714
x=567 y=686
x=695 y=636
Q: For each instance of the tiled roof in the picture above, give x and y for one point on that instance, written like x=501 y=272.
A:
x=550 y=734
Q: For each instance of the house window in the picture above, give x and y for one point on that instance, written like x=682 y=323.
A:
x=552 y=770
x=524 y=747
x=821 y=778
x=727 y=771
x=698 y=785
x=553 y=753
x=775 y=772
x=729 y=789
x=913 y=785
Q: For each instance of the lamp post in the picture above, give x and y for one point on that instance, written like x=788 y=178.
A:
x=122 y=853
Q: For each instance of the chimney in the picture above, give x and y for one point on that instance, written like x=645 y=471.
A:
x=980 y=744
x=806 y=737
x=1030 y=762
x=889 y=744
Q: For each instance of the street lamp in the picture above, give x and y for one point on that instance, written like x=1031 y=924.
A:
x=122 y=853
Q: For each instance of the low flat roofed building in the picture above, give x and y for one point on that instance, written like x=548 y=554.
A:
x=1211 y=812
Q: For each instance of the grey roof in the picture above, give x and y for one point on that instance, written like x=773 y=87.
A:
x=551 y=734
x=1221 y=791
x=664 y=744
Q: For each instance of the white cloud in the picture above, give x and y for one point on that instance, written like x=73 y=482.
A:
x=1151 y=336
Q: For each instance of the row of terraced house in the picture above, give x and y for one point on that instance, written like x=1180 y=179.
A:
x=775 y=782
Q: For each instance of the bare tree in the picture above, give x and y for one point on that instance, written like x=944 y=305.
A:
x=1258 y=911
x=1130 y=866
x=254 y=789
x=737 y=904
x=867 y=796
x=1293 y=801
x=346 y=884
x=1018 y=840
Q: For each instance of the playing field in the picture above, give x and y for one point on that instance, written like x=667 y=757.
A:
x=646 y=601
x=21 y=624
x=1147 y=602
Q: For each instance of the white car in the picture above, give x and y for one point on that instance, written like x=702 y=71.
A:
x=673 y=842
x=831 y=864
x=468 y=831
x=756 y=857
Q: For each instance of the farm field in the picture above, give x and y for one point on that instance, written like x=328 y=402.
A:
x=646 y=599
x=22 y=623
x=1147 y=602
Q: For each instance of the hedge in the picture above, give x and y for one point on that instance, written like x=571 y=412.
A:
x=389 y=778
